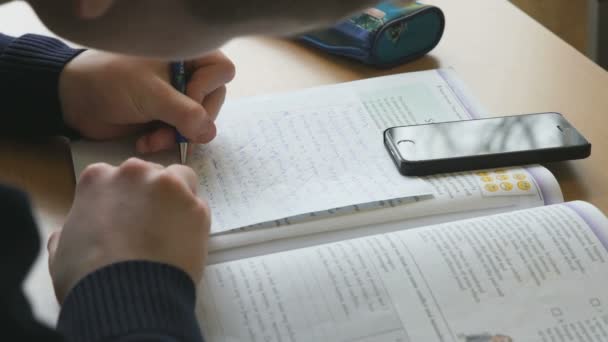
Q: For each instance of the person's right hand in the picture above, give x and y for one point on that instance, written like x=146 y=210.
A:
x=105 y=96
x=137 y=211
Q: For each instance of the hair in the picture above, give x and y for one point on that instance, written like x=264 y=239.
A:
x=138 y=27
x=296 y=11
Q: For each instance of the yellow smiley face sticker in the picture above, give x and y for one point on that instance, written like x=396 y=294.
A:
x=519 y=176
x=506 y=186
x=491 y=187
x=502 y=177
x=524 y=185
x=481 y=173
x=486 y=179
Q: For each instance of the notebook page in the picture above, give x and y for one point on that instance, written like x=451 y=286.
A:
x=516 y=275
x=284 y=155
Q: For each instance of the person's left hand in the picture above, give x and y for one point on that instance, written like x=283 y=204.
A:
x=106 y=96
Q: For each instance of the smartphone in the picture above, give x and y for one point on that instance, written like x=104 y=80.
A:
x=426 y=149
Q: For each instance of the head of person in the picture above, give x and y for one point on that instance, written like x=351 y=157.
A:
x=183 y=28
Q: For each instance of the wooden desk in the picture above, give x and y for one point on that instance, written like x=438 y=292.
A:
x=510 y=62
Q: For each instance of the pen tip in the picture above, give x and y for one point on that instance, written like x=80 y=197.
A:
x=183 y=152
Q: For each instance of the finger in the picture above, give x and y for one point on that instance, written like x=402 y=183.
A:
x=214 y=101
x=215 y=57
x=134 y=169
x=157 y=166
x=160 y=139
x=180 y=111
x=205 y=80
x=211 y=133
x=186 y=174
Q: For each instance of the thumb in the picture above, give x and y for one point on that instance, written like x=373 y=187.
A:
x=178 y=110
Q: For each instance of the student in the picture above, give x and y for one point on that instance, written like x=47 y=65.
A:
x=125 y=264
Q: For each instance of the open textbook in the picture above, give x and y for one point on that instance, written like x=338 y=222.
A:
x=294 y=169
x=535 y=274
x=317 y=237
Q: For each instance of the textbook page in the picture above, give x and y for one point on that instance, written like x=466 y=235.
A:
x=455 y=196
x=288 y=154
x=533 y=275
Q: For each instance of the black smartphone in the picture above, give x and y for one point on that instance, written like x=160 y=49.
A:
x=426 y=149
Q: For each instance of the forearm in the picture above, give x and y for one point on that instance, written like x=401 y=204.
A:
x=30 y=67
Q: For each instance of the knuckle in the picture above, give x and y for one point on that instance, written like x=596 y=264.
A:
x=202 y=208
x=202 y=212
x=94 y=172
x=222 y=92
x=168 y=181
x=188 y=172
x=160 y=90
x=192 y=110
x=133 y=167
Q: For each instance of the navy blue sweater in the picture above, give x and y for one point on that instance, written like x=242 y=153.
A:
x=128 y=301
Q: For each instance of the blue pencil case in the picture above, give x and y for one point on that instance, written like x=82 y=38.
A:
x=384 y=36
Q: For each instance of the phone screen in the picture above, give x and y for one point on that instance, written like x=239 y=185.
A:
x=484 y=136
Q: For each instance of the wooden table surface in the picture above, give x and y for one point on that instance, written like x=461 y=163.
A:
x=511 y=63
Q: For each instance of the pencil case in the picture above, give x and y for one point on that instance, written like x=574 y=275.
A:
x=384 y=36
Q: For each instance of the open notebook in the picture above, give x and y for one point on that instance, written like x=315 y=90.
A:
x=283 y=157
x=317 y=237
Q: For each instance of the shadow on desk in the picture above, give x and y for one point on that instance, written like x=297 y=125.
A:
x=426 y=62
x=43 y=169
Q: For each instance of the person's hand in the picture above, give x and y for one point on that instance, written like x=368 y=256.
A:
x=105 y=96
x=137 y=211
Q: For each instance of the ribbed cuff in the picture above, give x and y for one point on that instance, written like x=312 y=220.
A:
x=131 y=298
x=30 y=67
x=4 y=41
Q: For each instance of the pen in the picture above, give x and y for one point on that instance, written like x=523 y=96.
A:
x=178 y=80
